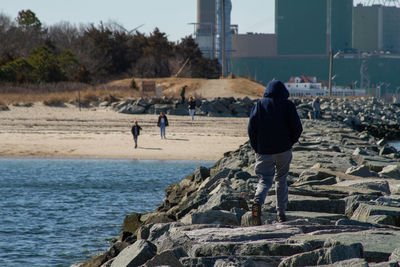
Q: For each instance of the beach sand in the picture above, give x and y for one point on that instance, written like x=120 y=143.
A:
x=66 y=132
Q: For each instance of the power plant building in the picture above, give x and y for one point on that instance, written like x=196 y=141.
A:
x=205 y=27
x=366 y=39
x=213 y=30
x=313 y=27
x=376 y=28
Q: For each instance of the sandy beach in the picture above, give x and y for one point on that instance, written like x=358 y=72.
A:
x=65 y=132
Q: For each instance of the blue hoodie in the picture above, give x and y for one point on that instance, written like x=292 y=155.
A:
x=274 y=124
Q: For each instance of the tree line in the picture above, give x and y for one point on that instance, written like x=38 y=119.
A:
x=33 y=53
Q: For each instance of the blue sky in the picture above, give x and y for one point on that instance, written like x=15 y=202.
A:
x=172 y=17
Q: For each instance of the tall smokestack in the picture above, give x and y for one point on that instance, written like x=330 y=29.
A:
x=205 y=17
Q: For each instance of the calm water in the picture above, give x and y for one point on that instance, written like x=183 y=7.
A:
x=58 y=212
x=396 y=145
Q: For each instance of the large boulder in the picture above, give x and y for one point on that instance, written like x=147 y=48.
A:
x=167 y=258
x=373 y=184
x=328 y=255
x=221 y=217
x=377 y=214
x=362 y=171
x=136 y=254
x=390 y=171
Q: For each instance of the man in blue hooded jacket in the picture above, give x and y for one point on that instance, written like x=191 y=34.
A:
x=274 y=127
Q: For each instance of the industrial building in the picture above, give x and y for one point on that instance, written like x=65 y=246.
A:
x=213 y=31
x=365 y=39
x=376 y=28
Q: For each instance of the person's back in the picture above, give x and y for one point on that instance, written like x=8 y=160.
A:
x=274 y=127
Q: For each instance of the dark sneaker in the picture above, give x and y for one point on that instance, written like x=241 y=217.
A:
x=256 y=214
x=281 y=217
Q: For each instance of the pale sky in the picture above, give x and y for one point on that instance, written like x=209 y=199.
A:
x=172 y=17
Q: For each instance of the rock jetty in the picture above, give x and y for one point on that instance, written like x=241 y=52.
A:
x=343 y=210
x=370 y=114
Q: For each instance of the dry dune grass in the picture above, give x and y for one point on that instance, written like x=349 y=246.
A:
x=56 y=98
x=198 y=87
x=120 y=89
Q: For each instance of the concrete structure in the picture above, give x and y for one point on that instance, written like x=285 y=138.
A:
x=254 y=45
x=376 y=28
x=205 y=27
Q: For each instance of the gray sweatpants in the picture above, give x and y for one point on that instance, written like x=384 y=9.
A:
x=269 y=168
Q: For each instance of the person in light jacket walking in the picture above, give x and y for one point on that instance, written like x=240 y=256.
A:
x=274 y=127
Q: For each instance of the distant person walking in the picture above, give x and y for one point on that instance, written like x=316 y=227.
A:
x=162 y=123
x=192 y=107
x=274 y=127
x=136 y=132
x=183 y=94
x=316 y=106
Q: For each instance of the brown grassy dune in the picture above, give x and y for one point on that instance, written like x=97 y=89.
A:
x=50 y=94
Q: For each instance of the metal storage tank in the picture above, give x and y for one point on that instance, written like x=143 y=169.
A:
x=220 y=25
x=205 y=27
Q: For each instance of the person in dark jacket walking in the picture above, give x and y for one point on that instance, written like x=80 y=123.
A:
x=135 y=132
x=274 y=127
x=162 y=123
x=183 y=90
x=192 y=107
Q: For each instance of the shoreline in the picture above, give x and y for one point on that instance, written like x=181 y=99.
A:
x=50 y=132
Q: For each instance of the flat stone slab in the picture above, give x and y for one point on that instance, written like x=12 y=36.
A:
x=314 y=215
x=371 y=213
x=253 y=233
x=378 y=244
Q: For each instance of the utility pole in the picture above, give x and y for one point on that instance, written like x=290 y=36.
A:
x=223 y=40
x=330 y=72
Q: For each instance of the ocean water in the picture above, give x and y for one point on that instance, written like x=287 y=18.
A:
x=55 y=212
x=396 y=145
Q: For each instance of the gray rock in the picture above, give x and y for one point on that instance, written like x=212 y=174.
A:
x=377 y=244
x=167 y=258
x=387 y=150
x=201 y=173
x=224 y=201
x=381 y=142
x=336 y=253
x=373 y=184
x=221 y=217
x=178 y=111
x=362 y=171
x=384 y=264
x=390 y=171
x=377 y=214
x=359 y=151
x=136 y=254
x=221 y=261
x=356 y=262
x=395 y=256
